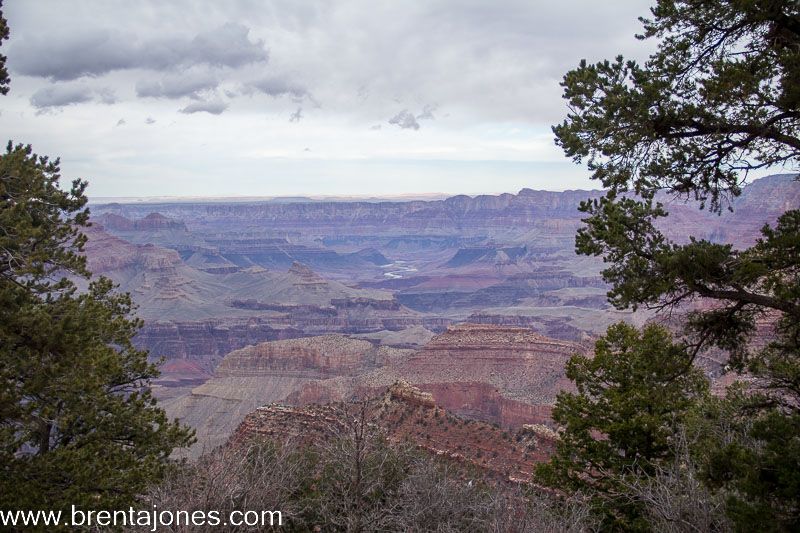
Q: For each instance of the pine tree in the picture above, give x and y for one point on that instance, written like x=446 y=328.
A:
x=4 y=79
x=719 y=98
x=78 y=425
x=631 y=396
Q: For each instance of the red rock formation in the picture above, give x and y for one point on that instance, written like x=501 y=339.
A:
x=106 y=253
x=152 y=222
x=200 y=315
x=268 y=372
x=312 y=357
x=407 y=414
x=481 y=401
x=521 y=364
x=503 y=375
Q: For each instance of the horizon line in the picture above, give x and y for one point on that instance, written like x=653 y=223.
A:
x=410 y=196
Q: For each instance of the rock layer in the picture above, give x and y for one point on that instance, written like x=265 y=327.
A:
x=268 y=372
x=502 y=375
x=407 y=414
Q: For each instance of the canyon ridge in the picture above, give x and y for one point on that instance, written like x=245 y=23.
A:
x=475 y=301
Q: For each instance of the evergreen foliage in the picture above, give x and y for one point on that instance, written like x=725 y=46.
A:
x=631 y=398
x=4 y=79
x=719 y=98
x=78 y=425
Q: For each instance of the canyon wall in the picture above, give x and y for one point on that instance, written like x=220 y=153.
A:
x=404 y=413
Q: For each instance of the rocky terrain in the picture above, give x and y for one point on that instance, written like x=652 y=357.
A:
x=199 y=316
x=518 y=363
x=268 y=372
x=500 y=375
x=407 y=414
x=212 y=277
x=478 y=300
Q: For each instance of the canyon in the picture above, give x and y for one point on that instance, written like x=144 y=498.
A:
x=499 y=375
x=406 y=414
x=476 y=301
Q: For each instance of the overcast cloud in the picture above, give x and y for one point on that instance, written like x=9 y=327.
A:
x=466 y=92
x=67 y=56
x=176 y=86
x=215 y=107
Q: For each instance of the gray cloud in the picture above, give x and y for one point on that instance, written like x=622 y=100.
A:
x=149 y=120
x=107 y=95
x=121 y=122
x=405 y=120
x=493 y=67
x=276 y=87
x=177 y=86
x=297 y=115
x=215 y=107
x=68 y=56
x=227 y=46
x=490 y=62
x=427 y=113
x=62 y=95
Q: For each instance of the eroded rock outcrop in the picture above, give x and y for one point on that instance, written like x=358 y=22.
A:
x=151 y=222
x=502 y=375
x=521 y=364
x=405 y=413
x=269 y=372
x=312 y=357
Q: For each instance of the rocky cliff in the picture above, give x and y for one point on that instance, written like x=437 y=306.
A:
x=151 y=222
x=502 y=375
x=407 y=414
x=554 y=212
x=521 y=364
x=268 y=372
x=214 y=277
x=199 y=315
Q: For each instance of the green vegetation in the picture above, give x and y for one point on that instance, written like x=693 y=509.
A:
x=4 y=79
x=720 y=97
x=77 y=422
x=632 y=396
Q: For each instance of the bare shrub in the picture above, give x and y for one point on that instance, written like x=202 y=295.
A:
x=675 y=498
x=357 y=480
x=259 y=477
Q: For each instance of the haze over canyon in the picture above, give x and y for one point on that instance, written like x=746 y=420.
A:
x=476 y=301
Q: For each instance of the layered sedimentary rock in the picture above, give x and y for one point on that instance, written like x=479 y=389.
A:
x=359 y=218
x=151 y=222
x=761 y=202
x=268 y=372
x=213 y=277
x=207 y=341
x=107 y=254
x=523 y=365
x=200 y=315
x=483 y=401
x=550 y=216
x=472 y=400
x=502 y=375
x=312 y=358
x=407 y=414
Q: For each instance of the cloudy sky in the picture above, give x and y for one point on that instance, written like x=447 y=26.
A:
x=287 y=97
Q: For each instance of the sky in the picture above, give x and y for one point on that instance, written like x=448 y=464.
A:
x=312 y=98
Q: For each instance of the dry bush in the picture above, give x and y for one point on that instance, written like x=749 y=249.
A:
x=358 y=481
x=675 y=499
x=258 y=477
